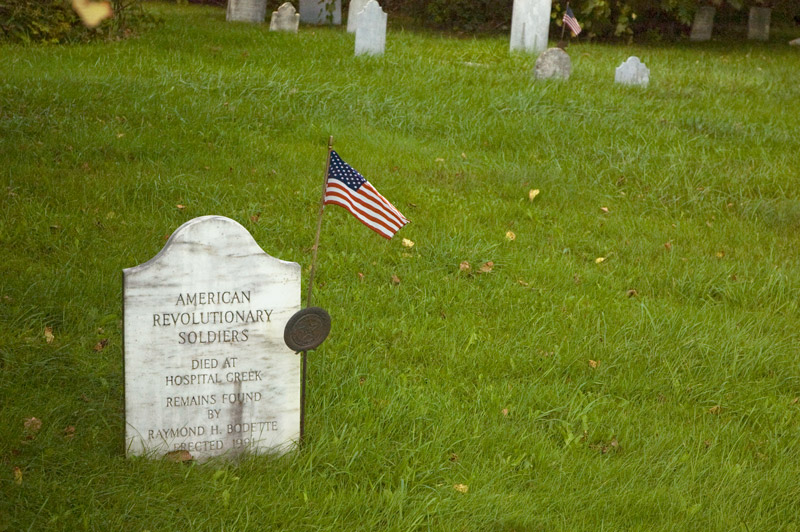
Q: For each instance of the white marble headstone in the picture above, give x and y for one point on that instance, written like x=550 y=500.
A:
x=321 y=11
x=632 y=72
x=758 y=23
x=356 y=7
x=530 y=25
x=371 y=30
x=246 y=11
x=286 y=18
x=206 y=367
x=553 y=63
x=703 y=24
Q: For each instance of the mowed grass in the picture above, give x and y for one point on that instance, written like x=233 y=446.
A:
x=653 y=390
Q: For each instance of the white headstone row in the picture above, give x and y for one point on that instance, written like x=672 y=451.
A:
x=371 y=30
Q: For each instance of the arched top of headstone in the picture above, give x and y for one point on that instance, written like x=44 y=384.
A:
x=355 y=8
x=286 y=9
x=286 y=18
x=213 y=237
x=372 y=8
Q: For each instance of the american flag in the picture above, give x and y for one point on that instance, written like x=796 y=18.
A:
x=347 y=188
x=571 y=21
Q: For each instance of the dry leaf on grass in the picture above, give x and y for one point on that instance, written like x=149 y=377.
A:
x=632 y=292
x=395 y=280
x=504 y=411
x=716 y=409
x=461 y=488
x=32 y=425
x=180 y=207
x=510 y=236
x=668 y=246
x=179 y=456
x=593 y=364
x=604 y=209
x=486 y=267
x=99 y=346
x=17 y=475
x=464 y=266
x=69 y=432
x=598 y=260
x=408 y=243
x=48 y=335
x=533 y=193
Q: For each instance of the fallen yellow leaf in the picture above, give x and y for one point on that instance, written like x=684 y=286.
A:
x=510 y=235
x=32 y=425
x=48 y=335
x=92 y=13
x=593 y=364
x=604 y=209
x=533 y=193
x=18 y=475
x=464 y=266
x=487 y=267
x=461 y=488
x=598 y=260
x=395 y=279
x=408 y=243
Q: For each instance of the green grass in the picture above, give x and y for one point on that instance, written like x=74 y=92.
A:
x=690 y=420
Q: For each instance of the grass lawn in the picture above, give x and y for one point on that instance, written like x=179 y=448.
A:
x=630 y=362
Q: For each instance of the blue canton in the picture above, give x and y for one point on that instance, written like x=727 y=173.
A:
x=344 y=172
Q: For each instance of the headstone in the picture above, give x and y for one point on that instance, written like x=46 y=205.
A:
x=356 y=7
x=530 y=24
x=371 y=30
x=246 y=11
x=758 y=23
x=286 y=18
x=321 y=11
x=632 y=72
x=703 y=24
x=206 y=368
x=794 y=42
x=553 y=63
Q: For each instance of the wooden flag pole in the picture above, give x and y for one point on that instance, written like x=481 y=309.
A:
x=311 y=292
x=563 y=25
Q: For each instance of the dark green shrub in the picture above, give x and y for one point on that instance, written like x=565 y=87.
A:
x=54 y=21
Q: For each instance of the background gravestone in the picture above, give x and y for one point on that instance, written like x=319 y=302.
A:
x=206 y=367
x=632 y=72
x=758 y=23
x=356 y=7
x=286 y=18
x=703 y=24
x=246 y=11
x=530 y=25
x=371 y=30
x=553 y=63
x=317 y=11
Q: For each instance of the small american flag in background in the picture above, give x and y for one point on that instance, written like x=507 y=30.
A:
x=347 y=188
x=571 y=21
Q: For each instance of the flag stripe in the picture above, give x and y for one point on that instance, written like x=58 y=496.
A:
x=366 y=220
x=363 y=202
x=571 y=22
x=356 y=208
x=371 y=196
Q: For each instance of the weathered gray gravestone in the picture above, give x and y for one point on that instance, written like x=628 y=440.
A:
x=371 y=30
x=246 y=11
x=356 y=7
x=286 y=18
x=632 y=72
x=206 y=367
x=553 y=63
x=321 y=11
x=530 y=25
x=758 y=23
x=703 y=24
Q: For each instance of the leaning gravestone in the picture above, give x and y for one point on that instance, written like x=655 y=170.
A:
x=246 y=11
x=530 y=24
x=758 y=23
x=371 y=30
x=553 y=63
x=321 y=11
x=206 y=368
x=703 y=24
x=286 y=18
x=356 y=7
x=632 y=72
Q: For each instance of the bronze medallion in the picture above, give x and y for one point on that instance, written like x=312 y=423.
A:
x=307 y=329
